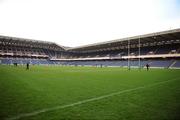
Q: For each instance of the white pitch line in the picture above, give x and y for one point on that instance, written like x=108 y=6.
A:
x=84 y=101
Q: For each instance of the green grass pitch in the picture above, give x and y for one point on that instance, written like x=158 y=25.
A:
x=86 y=93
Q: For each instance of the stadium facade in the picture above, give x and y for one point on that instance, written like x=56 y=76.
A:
x=160 y=49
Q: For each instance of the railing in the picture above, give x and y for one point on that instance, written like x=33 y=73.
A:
x=21 y=54
x=121 y=57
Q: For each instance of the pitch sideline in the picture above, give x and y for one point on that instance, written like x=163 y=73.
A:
x=84 y=101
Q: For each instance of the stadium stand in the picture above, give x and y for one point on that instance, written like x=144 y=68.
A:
x=176 y=64
x=160 y=49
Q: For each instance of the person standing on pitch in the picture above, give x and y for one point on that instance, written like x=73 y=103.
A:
x=147 y=66
x=27 y=66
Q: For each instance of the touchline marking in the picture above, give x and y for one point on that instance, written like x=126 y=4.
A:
x=84 y=101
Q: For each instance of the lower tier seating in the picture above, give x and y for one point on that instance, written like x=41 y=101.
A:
x=119 y=63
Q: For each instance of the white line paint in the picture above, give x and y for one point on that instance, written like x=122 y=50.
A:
x=84 y=101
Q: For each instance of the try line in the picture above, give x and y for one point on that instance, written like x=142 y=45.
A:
x=84 y=101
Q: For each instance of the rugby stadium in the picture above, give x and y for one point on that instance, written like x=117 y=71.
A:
x=106 y=80
x=159 y=49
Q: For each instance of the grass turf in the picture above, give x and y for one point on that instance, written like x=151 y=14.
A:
x=25 y=91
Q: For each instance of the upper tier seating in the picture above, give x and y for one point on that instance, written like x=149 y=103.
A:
x=10 y=50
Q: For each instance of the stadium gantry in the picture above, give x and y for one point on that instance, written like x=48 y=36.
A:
x=160 y=49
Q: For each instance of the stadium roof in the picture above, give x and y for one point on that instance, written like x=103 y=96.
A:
x=30 y=42
x=157 y=37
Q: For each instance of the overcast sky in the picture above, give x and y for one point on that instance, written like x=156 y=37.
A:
x=80 y=22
